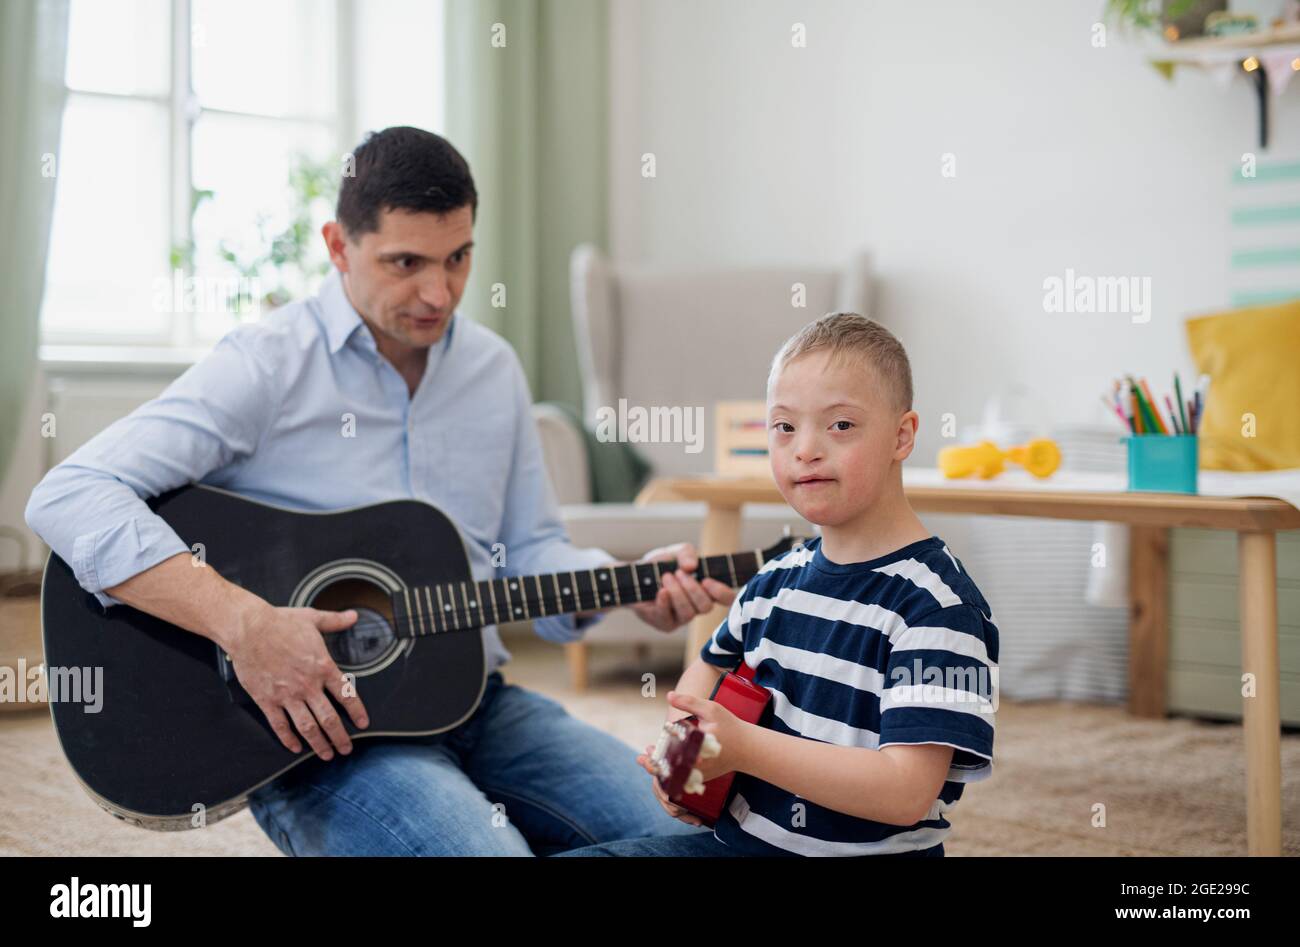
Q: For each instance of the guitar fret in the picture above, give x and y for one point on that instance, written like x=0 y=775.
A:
x=433 y=618
x=469 y=608
x=657 y=570
x=646 y=589
x=403 y=622
x=492 y=594
x=429 y=625
x=419 y=612
x=559 y=599
x=595 y=587
x=731 y=567
x=442 y=608
x=516 y=611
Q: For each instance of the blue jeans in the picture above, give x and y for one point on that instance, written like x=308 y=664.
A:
x=697 y=845
x=520 y=777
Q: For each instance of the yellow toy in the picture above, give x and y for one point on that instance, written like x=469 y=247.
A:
x=985 y=459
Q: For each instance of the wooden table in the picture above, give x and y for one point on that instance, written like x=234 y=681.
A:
x=1150 y=515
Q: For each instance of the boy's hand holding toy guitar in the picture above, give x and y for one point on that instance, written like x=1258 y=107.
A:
x=701 y=748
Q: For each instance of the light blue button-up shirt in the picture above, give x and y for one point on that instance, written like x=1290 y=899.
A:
x=301 y=410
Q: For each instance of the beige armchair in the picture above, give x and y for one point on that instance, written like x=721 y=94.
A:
x=664 y=337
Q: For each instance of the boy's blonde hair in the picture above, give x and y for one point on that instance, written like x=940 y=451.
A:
x=847 y=335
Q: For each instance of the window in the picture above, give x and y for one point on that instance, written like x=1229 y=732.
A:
x=167 y=100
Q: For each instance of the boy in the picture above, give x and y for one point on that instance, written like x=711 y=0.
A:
x=878 y=650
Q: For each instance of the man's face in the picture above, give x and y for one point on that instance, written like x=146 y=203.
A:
x=406 y=278
x=833 y=438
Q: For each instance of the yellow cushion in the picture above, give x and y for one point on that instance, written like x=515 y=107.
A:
x=1252 y=356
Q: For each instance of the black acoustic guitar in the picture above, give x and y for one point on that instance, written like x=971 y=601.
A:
x=177 y=742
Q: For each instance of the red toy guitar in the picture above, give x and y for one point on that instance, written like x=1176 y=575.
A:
x=682 y=743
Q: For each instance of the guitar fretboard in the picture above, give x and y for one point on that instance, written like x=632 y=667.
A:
x=463 y=606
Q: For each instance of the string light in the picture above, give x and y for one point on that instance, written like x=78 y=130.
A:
x=1250 y=64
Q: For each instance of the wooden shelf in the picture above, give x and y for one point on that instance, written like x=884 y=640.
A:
x=1229 y=50
x=1244 y=42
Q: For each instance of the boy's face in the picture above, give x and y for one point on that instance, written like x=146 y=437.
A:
x=833 y=438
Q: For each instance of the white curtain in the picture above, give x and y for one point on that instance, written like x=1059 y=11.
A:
x=33 y=50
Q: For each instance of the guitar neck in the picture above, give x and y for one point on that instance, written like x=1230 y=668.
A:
x=463 y=606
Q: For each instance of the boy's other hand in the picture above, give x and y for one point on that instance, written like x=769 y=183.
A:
x=681 y=597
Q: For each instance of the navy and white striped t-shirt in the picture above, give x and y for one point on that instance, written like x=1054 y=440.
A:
x=900 y=649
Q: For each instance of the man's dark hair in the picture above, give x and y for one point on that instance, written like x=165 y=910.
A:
x=403 y=168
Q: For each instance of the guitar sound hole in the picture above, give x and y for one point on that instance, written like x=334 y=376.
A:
x=364 y=643
x=372 y=637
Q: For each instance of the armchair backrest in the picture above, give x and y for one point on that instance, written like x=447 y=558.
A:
x=688 y=338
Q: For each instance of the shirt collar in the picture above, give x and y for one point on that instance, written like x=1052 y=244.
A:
x=342 y=320
x=337 y=313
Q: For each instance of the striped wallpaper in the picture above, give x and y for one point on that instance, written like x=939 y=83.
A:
x=1264 y=233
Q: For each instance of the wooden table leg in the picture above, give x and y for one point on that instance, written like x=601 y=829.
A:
x=1261 y=713
x=577 y=653
x=721 y=533
x=1148 y=621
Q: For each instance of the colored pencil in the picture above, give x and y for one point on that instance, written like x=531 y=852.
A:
x=1155 y=410
x=1144 y=410
x=1118 y=413
x=1178 y=389
x=1173 y=416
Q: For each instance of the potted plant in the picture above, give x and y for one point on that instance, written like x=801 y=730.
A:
x=1175 y=19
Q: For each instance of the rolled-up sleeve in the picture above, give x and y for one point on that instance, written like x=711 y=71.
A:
x=534 y=531
x=90 y=508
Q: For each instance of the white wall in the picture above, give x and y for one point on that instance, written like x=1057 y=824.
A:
x=1067 y=156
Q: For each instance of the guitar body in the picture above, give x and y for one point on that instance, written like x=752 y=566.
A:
x=175 y=730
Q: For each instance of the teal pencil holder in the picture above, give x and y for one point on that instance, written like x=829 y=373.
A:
x=1162 y=463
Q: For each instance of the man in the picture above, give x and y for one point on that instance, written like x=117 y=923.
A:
x=373 y=390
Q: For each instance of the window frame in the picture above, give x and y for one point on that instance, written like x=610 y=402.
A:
x=184 y=112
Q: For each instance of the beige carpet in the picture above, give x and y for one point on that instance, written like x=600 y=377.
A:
x=1173 y=787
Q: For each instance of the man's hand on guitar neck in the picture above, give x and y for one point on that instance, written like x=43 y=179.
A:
x=278 y=654
x=681 y=597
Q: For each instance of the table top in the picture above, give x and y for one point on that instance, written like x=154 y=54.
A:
x=1072 y=496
